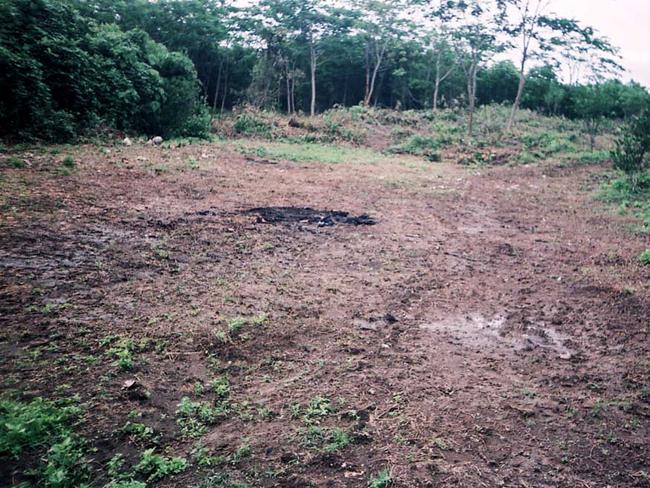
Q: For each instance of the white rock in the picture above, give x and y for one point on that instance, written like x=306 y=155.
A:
x=127 y=141
x=157 y=140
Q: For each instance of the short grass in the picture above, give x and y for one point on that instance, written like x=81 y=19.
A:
x=317 y=153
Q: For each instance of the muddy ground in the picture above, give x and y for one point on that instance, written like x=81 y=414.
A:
x=466 y=327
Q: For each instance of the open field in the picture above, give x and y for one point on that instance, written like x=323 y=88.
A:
x=460 y=326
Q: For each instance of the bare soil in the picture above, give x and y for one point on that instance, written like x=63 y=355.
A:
x=490 y=329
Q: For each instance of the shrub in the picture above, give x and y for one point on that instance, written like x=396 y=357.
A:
x=250 y=124
x=632 y=147
x=419 y=146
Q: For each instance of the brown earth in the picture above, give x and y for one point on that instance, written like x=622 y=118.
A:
x=490 y=329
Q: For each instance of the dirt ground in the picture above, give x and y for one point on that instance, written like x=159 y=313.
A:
x=468 y=327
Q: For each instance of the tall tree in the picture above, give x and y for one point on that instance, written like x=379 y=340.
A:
x=540 y=34
x=475 y=28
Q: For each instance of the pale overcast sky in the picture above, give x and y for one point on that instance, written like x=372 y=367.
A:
x=625 y=22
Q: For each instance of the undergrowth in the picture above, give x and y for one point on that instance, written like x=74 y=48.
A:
x=631 y=198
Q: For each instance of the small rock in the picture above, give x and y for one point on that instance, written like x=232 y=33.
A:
x=127 y=142
x=157 y=141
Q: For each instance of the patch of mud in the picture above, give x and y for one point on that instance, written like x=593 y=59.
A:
x=306 y=215
x=475 y=330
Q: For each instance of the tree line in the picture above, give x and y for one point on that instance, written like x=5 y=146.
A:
x=73 y=66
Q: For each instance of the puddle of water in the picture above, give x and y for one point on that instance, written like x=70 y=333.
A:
x=477 y=330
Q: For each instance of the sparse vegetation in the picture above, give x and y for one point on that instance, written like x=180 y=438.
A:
x=382 y=479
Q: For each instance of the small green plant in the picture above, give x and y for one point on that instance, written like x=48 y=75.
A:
x=68 y=162
x=644 y=258
x=327 y=440
x=139 y=432
x=201 y=456
x=14 y=162
x=383 y=479
x=156 y=467
x=220 y=386
x=236 y=325
x=242 y=452
x=318 y=407
x=194 y=417
x=122 y=351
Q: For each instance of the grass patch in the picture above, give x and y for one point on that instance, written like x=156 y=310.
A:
x=14 y=162
x=319 y=153
x=633 y=199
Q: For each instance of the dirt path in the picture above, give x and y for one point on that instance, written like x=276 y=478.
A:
x=489 y=329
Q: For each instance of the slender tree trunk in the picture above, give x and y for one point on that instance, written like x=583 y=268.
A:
x=313 y=60
x=373 y=78
x=436 y=94
x=367 y=89
x=515 y=105
x=225 y=90
x=287 y=79
x=216 y=90
x=471 y=94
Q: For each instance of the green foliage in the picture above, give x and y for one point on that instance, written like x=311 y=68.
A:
x=250 y=124
x=420 y=146
x=220 y=386
x=327 y=440
x=14 y=162
x=26 y=426
x=383 y=479
x=156 y=467
x=194 y=417
x=63 y=75
x=644 y=258
x=632 y=149
x=40 y=425
x=318 y=407
x=631 y=196
x=123 y=351
x=140 y=431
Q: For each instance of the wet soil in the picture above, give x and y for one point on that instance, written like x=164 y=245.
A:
x=491 y=328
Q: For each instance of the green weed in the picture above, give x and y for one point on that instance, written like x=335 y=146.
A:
x=419 y=146
x=140 y=432
x=644 y=258
x=220 y=386
x=325 y=439
x=318 y=407
x=156 y=467
x=194 y=417
x=383 y=479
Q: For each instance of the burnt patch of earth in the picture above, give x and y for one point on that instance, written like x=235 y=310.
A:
x=321 y=218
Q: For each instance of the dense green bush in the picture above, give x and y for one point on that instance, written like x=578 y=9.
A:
x=633 y=147
x=62 y=75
